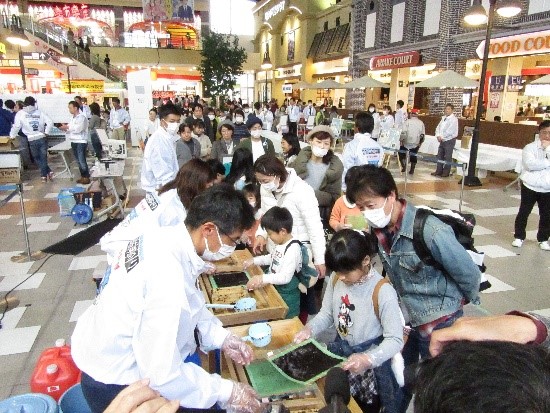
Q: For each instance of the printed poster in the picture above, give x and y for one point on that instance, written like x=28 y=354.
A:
x=159 y=10
x=495 y=100
x=291 y=46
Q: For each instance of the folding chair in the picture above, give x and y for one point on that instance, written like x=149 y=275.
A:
x=390 y=140
x=336 y=126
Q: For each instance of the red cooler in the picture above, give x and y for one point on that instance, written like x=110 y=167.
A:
x=55 y=371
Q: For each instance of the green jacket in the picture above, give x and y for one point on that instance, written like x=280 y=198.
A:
x=331 y=187
x=266 y=143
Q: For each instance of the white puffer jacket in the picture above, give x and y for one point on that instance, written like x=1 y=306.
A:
x=299 y=198
x=535 y=173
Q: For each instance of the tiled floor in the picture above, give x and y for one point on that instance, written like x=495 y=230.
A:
x=62 y=288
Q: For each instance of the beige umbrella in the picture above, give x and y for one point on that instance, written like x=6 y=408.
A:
x=327 y=84
x=301 y=85
x=545 y=80
x=449 y=79
x=364 y=82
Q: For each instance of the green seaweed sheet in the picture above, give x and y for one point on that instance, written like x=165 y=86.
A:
x=328 y=361
x=267 y=380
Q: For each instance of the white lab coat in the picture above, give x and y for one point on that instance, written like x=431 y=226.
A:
x=535 y=173
x=376 y=130
x=153 y=211
x=299 y=198
x=447 y=127
x=78 y=129
x=361 y=150
x=160 y=164
x=142 y=323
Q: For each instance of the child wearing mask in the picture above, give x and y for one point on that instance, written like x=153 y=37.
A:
x=198 y=134
x=240 y=130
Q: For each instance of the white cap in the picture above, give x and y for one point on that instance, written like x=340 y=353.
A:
x=60 y=342
x=51 y=368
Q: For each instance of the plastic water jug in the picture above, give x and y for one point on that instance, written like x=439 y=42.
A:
x=55 y=371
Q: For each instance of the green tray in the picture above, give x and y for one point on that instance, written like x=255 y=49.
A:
x=215 y=285
x=319 y=346
x=267 y=380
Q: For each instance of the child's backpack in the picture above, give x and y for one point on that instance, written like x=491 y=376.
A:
x=307 y=274
x=463 y=227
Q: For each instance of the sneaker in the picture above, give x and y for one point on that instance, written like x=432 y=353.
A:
x=44 y=179
x=517 y=243
x=50 y=176
x=544 y=246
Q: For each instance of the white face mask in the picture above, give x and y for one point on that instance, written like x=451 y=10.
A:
x=211 y=117
x=377 y=218
x=319 y=152
x=371 y=110
x=239 y=119
x=385 y=112
x=224 y=251
x=172 y=128
x=272 y=185
x=256 y=133
x=252 y=204
x=246 y=110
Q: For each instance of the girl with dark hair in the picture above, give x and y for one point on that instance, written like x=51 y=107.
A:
x=364 y=308
x=94 y=123
x=167 y=208
x=242 y=169
x=284 y=188
x=291 y=148
x=320 y=167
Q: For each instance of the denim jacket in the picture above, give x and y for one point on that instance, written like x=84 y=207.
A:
x=427 y=292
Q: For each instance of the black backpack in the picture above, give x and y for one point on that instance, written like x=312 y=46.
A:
x=463 y=227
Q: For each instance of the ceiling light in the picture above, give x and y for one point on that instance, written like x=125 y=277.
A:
x=476 y=15
x=508 y=8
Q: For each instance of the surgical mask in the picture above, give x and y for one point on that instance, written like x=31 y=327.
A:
x=224 y=251
x=271 y=186
x=385 y=112
x=377 y=218
x=239 y=119
x=371 y=110
x=211 y=117
x=172 y=128
x=256 y=133
x=319 y=152
x=252 y=204
x=246 y=110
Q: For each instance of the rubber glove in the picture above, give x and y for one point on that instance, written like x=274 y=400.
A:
x=302 y=335
x=247 y=263
x=243 y=399
x=357 y=363
x=255 y=282
x=237 y=350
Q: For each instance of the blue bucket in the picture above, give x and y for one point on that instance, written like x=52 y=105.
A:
x=29 y=403
x=73 y=401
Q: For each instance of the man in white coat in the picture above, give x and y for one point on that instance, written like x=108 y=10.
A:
x=446 y=133
x=362 y=149
x=150 y=317
x=160 y=163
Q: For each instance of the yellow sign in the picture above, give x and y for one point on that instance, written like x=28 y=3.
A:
x=2 y=48
x=89 y=86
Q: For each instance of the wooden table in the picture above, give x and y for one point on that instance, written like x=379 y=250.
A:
x=269 y=304
x=282 y=333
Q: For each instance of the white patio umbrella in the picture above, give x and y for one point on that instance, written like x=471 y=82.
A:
x=327 y=84
x=545 y=80
x=364 y=82
x=301 y=85
x=449 y=79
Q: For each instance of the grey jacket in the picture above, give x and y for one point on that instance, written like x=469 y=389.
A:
x=183 y=153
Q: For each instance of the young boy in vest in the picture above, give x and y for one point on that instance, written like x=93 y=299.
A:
x=284 y=262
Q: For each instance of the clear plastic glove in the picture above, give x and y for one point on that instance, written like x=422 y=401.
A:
x=357 y=363
x=255 y=282
x=243 y=399
x=321 y=270
x=248 y=263
x=209 y=268
x=237 y=350
x=302 y=335
x=259 y=245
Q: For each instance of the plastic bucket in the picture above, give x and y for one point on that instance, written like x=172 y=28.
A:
x=29 y=403
x=73 y=401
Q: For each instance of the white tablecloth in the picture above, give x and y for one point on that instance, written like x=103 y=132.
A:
x=489 y=157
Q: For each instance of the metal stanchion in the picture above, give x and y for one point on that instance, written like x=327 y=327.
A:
x=464 y=169
x=407 y=154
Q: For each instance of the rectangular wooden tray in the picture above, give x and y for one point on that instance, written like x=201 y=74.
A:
x=269 y=304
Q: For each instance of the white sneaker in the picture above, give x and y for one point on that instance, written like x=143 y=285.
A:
x=518 y=243
x=544 y=246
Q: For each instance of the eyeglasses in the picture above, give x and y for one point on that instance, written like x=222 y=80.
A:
x=235 y=242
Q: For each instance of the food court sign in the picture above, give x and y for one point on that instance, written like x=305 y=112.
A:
x=520 y=45
x=89 y=86
x=395 y=61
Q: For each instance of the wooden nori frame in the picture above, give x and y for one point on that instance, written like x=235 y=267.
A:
x=304 y=363
x=230 y=279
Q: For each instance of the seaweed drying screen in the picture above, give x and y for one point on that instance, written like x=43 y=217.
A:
x=304 y=363
x=267 y=380
x=230 y=279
